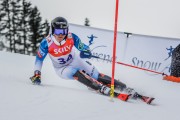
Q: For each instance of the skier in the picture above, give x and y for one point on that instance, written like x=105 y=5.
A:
x=66 y=52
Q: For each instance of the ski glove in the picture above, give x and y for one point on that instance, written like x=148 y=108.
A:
x=36 y=79
x=86 y=54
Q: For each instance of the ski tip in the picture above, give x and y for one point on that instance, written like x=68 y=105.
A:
x=149 y=101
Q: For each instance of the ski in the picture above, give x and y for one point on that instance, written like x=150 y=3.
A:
x=94 y=84
x=126 y=97
x=122 y=96
x=145 y=99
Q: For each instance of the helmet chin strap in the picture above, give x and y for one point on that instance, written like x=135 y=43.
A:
x=65 y=37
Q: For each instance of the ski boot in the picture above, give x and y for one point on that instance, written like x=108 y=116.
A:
x=106 y=80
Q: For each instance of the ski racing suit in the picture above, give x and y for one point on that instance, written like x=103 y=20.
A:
x=65 y=56
x=66 y=60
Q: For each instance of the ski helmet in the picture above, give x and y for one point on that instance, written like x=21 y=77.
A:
x=59 y=23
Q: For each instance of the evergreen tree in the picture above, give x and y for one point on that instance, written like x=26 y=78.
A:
x=15 y=27
x=87 y=22
x=35 y=29
x=25 y=38
x=45 y=28
x=7 y=21
x=22 y=26
x=2 y=17
x=1 y=45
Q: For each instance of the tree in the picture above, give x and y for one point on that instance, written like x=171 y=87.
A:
x=45 y=28
x=87 y=22
x=35 y=29
x=2 y=17
x=15 y=26
x=7 y=28
x=2 y=46
x=22 y=26
x=25 y=26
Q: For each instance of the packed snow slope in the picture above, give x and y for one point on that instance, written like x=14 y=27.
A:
x=58 y=99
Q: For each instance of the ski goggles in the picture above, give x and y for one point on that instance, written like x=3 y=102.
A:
x=60 y=31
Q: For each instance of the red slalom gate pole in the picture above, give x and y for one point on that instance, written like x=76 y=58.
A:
x=114 y=49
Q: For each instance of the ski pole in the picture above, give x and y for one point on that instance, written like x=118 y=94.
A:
x=131 y=66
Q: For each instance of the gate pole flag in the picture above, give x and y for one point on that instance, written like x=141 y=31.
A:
x=114 y=49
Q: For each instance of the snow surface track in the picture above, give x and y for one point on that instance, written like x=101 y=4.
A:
x=58 y=99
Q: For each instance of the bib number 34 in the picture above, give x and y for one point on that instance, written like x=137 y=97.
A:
x=63 y=60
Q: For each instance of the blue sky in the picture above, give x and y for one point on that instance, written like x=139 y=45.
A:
x=149 y=17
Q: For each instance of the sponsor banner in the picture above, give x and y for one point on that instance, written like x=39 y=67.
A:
x=153 y=53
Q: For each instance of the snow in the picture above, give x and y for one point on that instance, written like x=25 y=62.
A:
x=58 y=99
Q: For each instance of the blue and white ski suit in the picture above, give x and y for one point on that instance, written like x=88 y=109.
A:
x=65 y=56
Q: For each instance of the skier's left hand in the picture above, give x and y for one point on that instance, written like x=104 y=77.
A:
x=86 y=54
x=36 y=79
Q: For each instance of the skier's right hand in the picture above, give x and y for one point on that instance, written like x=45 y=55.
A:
x=36 y=79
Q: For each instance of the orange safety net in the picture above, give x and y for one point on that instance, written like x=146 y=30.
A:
x=171 y=78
